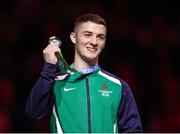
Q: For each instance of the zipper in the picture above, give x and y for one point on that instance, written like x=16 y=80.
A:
x=88 y=105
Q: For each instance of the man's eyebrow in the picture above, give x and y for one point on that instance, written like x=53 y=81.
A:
x=91 y=32
x=87 y=32
x=101 y=34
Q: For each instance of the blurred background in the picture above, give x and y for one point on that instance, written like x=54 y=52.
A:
x=142 y=48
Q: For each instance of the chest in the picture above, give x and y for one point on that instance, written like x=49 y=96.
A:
x=96 y=90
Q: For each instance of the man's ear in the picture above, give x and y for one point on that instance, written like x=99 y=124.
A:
x=73 y=37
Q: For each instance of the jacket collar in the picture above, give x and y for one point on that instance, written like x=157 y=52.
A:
x=87 y=70
x=75 y=75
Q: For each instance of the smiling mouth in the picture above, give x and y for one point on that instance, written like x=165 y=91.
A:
x=91 y=49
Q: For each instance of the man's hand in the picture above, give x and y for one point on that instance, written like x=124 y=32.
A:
x=49 y=53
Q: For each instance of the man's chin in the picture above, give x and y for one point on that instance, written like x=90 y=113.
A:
x=90 y=59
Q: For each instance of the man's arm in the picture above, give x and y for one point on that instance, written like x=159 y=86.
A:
x=39 y=100
x=128 y=115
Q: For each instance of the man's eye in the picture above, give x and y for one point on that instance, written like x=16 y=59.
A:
x=101 y=37
x=87 y=35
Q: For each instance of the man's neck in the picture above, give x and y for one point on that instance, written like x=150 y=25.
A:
x=80 y=65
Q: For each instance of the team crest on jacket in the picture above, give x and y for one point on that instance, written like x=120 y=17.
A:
x=104 y=90
x=104 y=86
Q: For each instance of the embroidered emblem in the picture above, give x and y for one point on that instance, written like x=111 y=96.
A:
x=104 y=90
x=104 y=86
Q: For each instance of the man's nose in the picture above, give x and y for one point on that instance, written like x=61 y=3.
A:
x=93 y=40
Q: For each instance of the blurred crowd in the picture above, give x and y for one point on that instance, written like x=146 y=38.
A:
x=142 y=48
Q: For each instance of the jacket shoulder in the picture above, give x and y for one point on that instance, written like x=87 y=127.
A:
x=110 y=76
x=113 y=78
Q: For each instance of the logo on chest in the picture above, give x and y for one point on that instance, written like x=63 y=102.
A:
x=69 y=89
x=104 y=90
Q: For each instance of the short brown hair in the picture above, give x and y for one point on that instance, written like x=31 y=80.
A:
x=89 y=17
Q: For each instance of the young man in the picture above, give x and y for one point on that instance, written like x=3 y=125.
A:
x=87 y=99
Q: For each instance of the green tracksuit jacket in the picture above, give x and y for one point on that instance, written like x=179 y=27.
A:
x=86 y=102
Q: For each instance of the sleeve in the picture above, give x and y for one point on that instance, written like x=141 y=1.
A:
x=128 y=115
x=39 y=99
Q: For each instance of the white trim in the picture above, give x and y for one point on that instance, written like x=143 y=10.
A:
x=58 y=126
x=60 y=77
x=114 y=127
x=110 y=78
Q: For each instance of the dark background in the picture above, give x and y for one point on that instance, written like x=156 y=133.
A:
x=142 y=48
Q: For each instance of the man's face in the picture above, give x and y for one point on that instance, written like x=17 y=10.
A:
x=89 y=39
